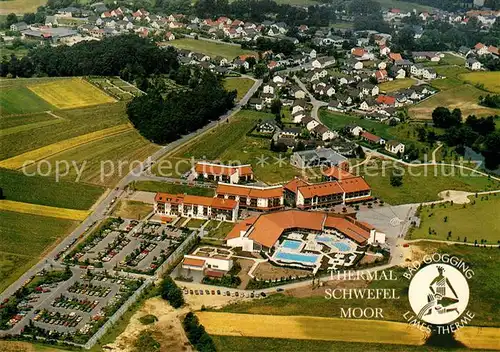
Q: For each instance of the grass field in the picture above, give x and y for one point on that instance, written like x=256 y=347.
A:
x=310 y=328
x=45 y=191
x=484 y=286
x=242 y=85
x=490 y=80
x=52 y=149
x=464 y=97
x=20 y=100
x=452 y=79
x=422 y=184
x=462 y=221
x=229 y=143
x=337 y=121
x=130 y=209
x=154 y=186
x=404 y=5
x=70 y=93
x=195 y=223
x=221 y=231
x=210 y=48
x=43 y=210
x=17 y=231
x=396 y=84
x=20 y=6
x=243 y=344
x=29 y=126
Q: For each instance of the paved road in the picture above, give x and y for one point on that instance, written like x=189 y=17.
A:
x=101 y=209
x=314 y=102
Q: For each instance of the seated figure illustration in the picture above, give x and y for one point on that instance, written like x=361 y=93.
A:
x=442 y=298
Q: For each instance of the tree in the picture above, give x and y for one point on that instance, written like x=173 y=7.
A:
x=396 y=180
x=170 y=292
x=276 y=106
x=442 y=117
x=11 y=19
x=260 y=70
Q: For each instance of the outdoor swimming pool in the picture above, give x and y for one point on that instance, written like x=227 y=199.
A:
x=297 y=257
x=341 y=246
x=288 y=244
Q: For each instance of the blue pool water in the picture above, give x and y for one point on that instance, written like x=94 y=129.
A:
x=341 y=246
x=290 y=244
x=296 y=257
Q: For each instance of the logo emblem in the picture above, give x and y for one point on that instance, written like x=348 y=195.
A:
x=438 y=294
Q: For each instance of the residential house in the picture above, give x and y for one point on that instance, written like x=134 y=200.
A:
x=290 y=132
x=335 y=105
x=368 y=88
x=395 y=147
x=222 y=173
x=371 y=138
x=321 y=131
x=317 y=157
x=386 y=100
x=256 y=103
x=169 y=36
x=279 y=79
x=19 y=26
x=473 y=64
x=354 y=130
x=381 y=76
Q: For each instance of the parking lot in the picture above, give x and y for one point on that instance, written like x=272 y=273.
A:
x=135 y=246
x=77 y=305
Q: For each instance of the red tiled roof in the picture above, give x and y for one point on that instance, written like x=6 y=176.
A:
x=226 y=170
x=294 y=184
x=241 y=226
x=395 y=56
x=247 y=191
x=193 y=262
x=386 y=99
x=320 y=189
x=354 y=184
x=358 y=52
x=169 y=198
x=371 y=137
x=221 y=203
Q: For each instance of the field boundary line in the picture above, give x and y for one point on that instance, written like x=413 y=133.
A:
x=50 y=150
x=28 y=127
x=43 y=210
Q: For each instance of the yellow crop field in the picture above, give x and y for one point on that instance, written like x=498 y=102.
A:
x=18 y=161
x=490 y=80
x=479 y=337
x=43 y=210
x=310 y=328
x=70 y=93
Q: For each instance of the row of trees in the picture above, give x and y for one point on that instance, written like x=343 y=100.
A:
x=197 y=335
x=164 y=116
x=478 y=133
x=110 y=57
x=170 y=292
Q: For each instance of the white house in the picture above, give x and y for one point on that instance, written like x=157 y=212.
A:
x=268 y=89
x=395 y=147
x=198 y=263
x=473 y=64
x=311 y=125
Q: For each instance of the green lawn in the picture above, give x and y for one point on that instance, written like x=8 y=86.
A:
x=46 y=191
x=11 y=121
x=404 y=5
x=484 y=286
x=337 y=121
x=464 y=96
x=20 y=100
x=452 y=79
x=20 y=7
x=24 y=238
x=222 y=231
x=210 y=48
x=396 y=84
x=154 y=186
x=242 y=85
x=195 y=223
x=474 y=221
x=422 y=184
x=244 y=344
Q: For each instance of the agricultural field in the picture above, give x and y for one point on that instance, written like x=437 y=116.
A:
x=397 y=84
x=489 y=80
x=210 y=48
x=36 y=209
x=154 y=186
x=20 y=7
x=310 y=328
x=47 y=151
x=462 y=221
x=451 y=74
x=129 y=209
x=115 y=87
x=484 y=284
x=422 y=183
x=19 y=229
x=241 y=85
x=20 y=100
x=46 y=191
x=464 y=97
x=240 y=343
x=70 y=93
x=404 y=5
x=337 y=121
